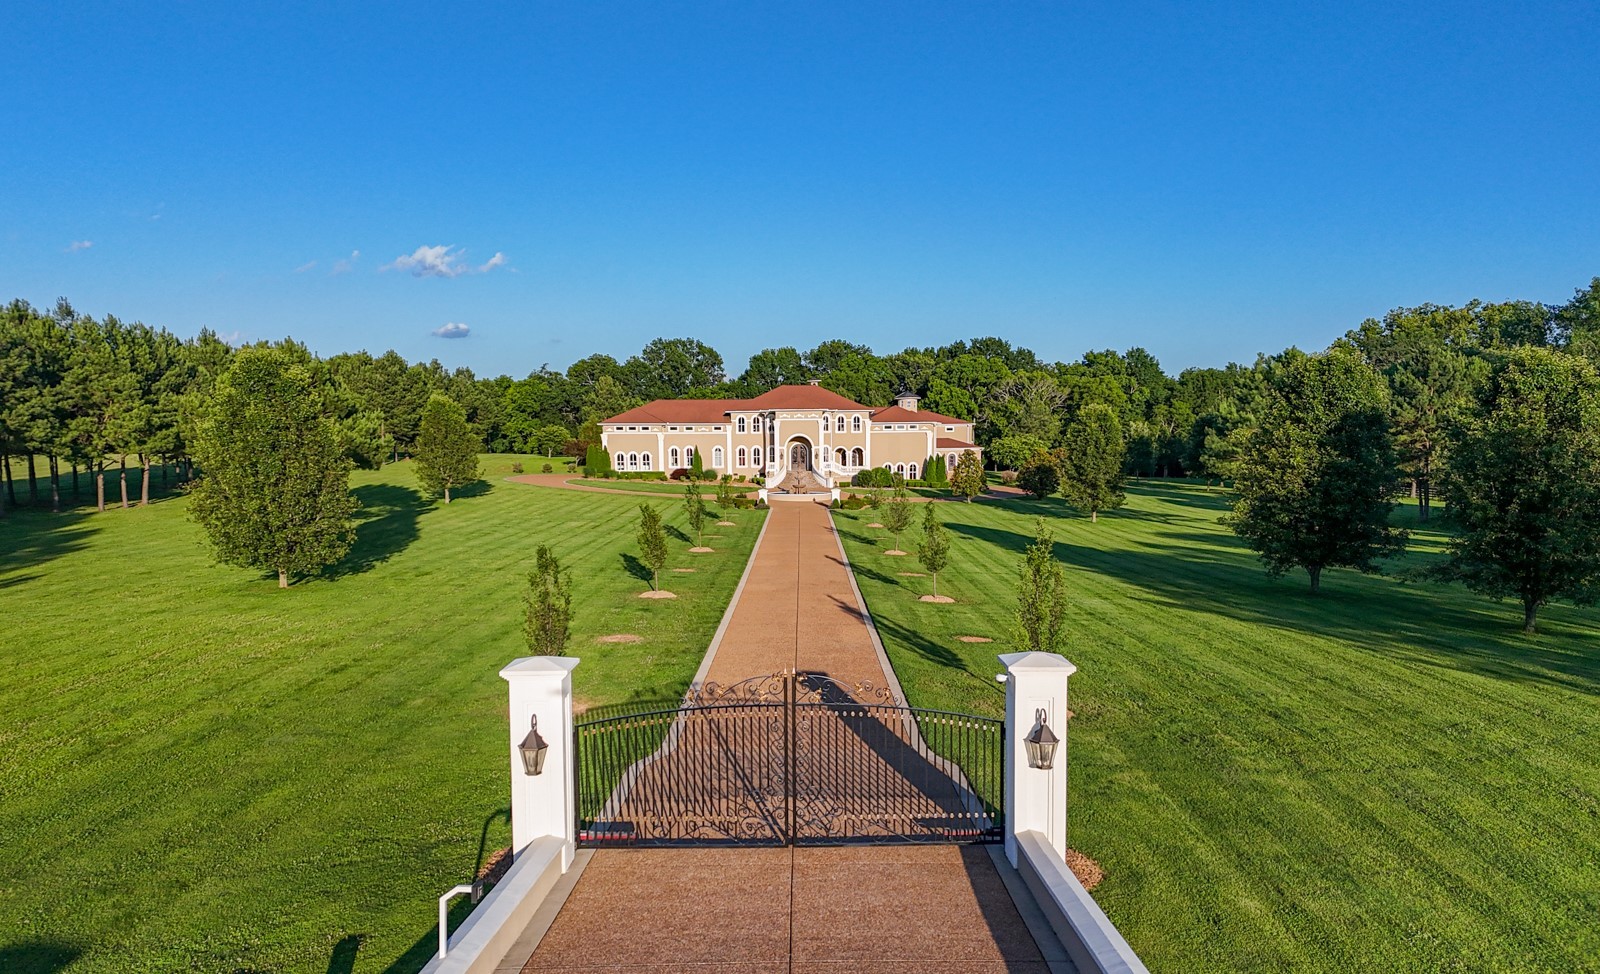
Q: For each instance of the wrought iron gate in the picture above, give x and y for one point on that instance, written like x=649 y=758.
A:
x=792 y=758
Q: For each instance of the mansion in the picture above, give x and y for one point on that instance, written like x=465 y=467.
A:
x=800 y=438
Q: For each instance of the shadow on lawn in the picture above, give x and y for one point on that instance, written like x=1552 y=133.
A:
x=386 y=526
x=1199 y=573
x=31 y=539
x=37 y=957
x=636 y=568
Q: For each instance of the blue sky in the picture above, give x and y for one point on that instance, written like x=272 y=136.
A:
x=1205 y=181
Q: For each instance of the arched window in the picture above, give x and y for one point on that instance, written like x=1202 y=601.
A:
x=757 y=424
x=622 y=461
x=855 y=424
x=911 y=471
x=644 y=461
x=741 y=424
x=672 y=458
x=950 y=463
x=900 y=469
x=838 y=423
x=744 y=457
x=838 y=455
x=716 y=457
x=633 y=461
x=755 y=457
x=857 y=458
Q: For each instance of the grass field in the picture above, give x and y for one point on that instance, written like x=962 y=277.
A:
x=199 y=772
x=1386 y=778
x=708 y=490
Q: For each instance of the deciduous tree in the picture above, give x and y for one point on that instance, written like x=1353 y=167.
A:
x=274 y=490
x=1041 y=476
x=1316 y=476
x=897 y=515
x=695 y=509
x=1524 y=484
x=933 y=551
x=447 y=449
x=652 y=543
x=1091 y=461
x=968 y=479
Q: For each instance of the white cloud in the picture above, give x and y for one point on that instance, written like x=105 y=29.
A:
x=305 y=267
x=443 y=261
x=78 y=245
x=453 y=329
x=348 y=264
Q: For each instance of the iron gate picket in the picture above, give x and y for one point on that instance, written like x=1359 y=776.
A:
x=792 y=758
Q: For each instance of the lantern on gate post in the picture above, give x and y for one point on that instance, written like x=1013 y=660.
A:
x=534 y=749
x=1041 y=744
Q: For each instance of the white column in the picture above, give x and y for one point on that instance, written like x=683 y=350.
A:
x=543 y=804
x=1036 y=801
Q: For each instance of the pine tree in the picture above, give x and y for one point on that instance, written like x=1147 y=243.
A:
x=547 y=623
x=1041 y=595
x=274 y=491
x=697 y=469
x=934 y=548
x=897 y=515
x=968 y=480
x=652 y=544
x=447 y=449
x=1092 y=461
x=597 y=462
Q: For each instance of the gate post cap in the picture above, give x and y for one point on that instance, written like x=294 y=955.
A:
x=1022 y=662
x=535 y=665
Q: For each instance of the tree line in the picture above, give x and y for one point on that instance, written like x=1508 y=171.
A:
x=1400 y=399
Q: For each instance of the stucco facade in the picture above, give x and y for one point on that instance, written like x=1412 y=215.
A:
x=801 y=428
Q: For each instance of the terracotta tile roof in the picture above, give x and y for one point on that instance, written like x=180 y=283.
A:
x=950 y=443
x=799 y=397
x=898 y=414
x=678 y=411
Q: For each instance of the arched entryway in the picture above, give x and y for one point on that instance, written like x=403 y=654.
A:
x=800 y=454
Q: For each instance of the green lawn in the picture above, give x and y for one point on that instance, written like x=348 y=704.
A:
x=1386 y=778
x=707 y=489
x=200 y=772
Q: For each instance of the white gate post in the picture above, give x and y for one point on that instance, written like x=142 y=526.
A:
x=1036 y=800
x=542 y=804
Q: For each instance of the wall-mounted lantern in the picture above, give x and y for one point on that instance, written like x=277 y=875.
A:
x=1041 y=744
x=534 y=749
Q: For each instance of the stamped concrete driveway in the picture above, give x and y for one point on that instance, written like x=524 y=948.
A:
x=929 y=908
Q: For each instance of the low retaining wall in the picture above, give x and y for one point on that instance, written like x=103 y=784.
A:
x=483 y=940
x=1090 y=939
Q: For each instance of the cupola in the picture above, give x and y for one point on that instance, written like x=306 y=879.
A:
x=907 y=400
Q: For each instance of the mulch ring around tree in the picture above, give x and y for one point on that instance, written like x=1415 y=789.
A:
x=496 y=865
x=1087 y=870
x=975 y=639
x=874 y=524
x=657 y=594
x=726 y=524
x=699 y=550
x=620 y=637
x=913 y=575
x=941 y=599
x=895 y=553
x=685 y=571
